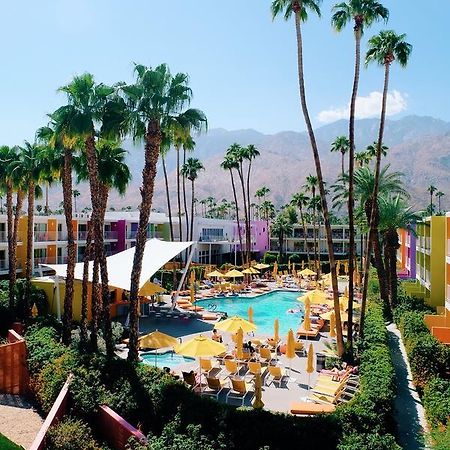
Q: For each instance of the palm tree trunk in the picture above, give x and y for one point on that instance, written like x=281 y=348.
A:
x=179 y=195
x=184 y=200
x=372 y=223
x=342 y=164
x=334 y=282
x=12 y=248
x=244 y=197
x=46 y=209
x=152 y=146
x=351 y=203
x=169 y=208
x=13 y=263
x=84 y=294
x=304 y=233
x=192 y=210
x=71 y=247
x=30 y=223
x=393 y=246
x=237 y=216
x=249 y=229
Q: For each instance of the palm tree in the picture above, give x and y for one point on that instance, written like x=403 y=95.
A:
x=165 y=147
x=311 y=186
x=58 y=154
x=362 y=159
x=188 y=146
x=362 y=13
x=371 y=150
x=384 y=49
x=395 y=214
x=342 y=145
x=261 y=194
x=229 y=163
x=89 y=104
x=190 y=170
x=250 y=153
x=439 y=194
x=267 y=212
x=431 y=189
x=156 y=103
x=300 y=10
x=76 y=193
x=280 y=228
x=300 y=200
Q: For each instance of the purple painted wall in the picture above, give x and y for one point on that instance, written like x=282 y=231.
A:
x=412 y=254
x=121 y=226
x=259 y=234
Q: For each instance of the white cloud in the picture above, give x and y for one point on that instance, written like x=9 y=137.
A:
x=369 y=106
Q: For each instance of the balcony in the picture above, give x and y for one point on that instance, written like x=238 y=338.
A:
x=82 y=235
x=44 y=260
x=112 y=235
x=131 y=234
x=3 y=264
x=45 y=236
x=210 y=238
x=3 y=236
x=62 y=236
x=62 y=259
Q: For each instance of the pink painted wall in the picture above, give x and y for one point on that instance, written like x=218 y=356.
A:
x=121 y=226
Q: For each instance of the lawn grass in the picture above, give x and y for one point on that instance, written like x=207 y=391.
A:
x=6 y=444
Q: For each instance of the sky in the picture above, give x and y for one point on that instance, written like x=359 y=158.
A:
x=241 y=64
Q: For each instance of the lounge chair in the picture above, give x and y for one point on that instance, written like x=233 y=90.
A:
x=253 y=369
x=307 y=333
x=276 y=375
x=207 y=366
x=310 y=408
x=231 y=366
x=214 y=386
x=239 y=389
x=265 y=355
x=190 y=379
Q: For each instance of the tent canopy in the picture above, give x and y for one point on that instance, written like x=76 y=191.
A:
x=156 y=254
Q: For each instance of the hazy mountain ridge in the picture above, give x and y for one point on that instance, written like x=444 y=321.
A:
x=419 y=147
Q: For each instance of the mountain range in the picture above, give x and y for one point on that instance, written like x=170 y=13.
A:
x=418 y=146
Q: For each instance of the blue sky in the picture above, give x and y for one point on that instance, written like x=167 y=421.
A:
x=241 y=64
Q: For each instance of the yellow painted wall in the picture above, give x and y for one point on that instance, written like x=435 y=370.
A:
x=437 y=261
x=22 y=236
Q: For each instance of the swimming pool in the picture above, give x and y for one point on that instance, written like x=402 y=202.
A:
x=166 y=359
x=266 y=308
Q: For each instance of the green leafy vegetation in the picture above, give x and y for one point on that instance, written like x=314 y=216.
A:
x=6 y=444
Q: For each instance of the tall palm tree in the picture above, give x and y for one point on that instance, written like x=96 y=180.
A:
x=300 y=200
x=188 y=146
x=341 y=145
x=156 y=102
x=311 y=187
x=280 y=228
x=439 y=195
x=362 y=159
x=92 y=109
x=371 y=150
x=190 y=170
x=395 y=214
x=300 y=8
x=229 y=163
x=384 y=49
x=165 y=147
x=431 y=189
x=267 y=212
x=59 y=153
x=250 y=153
x=362 y=13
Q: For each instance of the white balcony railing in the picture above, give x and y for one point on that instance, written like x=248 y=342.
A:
x=110 y=234
x=44 y=260
x=82 y=235
x=44 y=236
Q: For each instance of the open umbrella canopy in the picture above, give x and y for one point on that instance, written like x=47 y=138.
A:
x=150 y=288
x=261 y=266
x=316 y=297
x=233 y=274
x=233 y=324
x=344 y=316
x=200 y=346
x=156 y=339
x=214 y=273
x=290 y=345
x=307 y=272
x=250 y=271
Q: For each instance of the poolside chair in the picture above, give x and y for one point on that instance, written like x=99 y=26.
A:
x=190 y=380
x=276 y=375
x=239 y=389
x=253 y=369
x=214 y=386
x=231 y=366
x=207 y=366
x=311 y=408
x=265 y=355
x=329 y=390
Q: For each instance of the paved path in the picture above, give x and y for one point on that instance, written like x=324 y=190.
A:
x=409 y=412
x=19 y=422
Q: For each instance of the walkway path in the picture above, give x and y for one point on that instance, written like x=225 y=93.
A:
x=19 y=422
x=409 y=412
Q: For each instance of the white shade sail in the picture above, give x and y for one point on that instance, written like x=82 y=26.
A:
x=156 y=254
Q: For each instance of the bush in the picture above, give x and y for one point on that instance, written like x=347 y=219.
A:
x=71 y=434
x=269 y=258
x=436 y=399
x=294 y=258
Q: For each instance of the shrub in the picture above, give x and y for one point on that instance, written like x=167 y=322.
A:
x=368 y=441
x=294 y=258
x=71 y=434
x=436 y=399
x=269 y=258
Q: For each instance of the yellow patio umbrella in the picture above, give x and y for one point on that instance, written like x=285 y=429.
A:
x=261 y=266
x=34 y=311
x=307 y=272
x=307 y=319
x=150 y=288
x=316 y=297
x=290 y=345
x=254 y=271
x=310 y=363
x=199 y=347
x=240 y=344
x=289 y=265
x=303 y=265
x=332 y=325
x=192 y=293
x=234 y=274
x=157 y=340
x=276 y=330
x=250 y=314
x=214 y=274
x=258 y=403
x=275 y=269
x=233 y=324
x=250 y=271
x=346 y=291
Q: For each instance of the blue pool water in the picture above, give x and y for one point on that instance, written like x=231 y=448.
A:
x=266 y=308
x=166 y=359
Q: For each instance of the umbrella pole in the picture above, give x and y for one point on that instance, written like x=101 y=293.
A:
x=200 y=373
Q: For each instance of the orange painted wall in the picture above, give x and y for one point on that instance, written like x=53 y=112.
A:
x=51 y=225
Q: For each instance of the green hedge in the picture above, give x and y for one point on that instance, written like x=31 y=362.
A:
x=430 y=363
